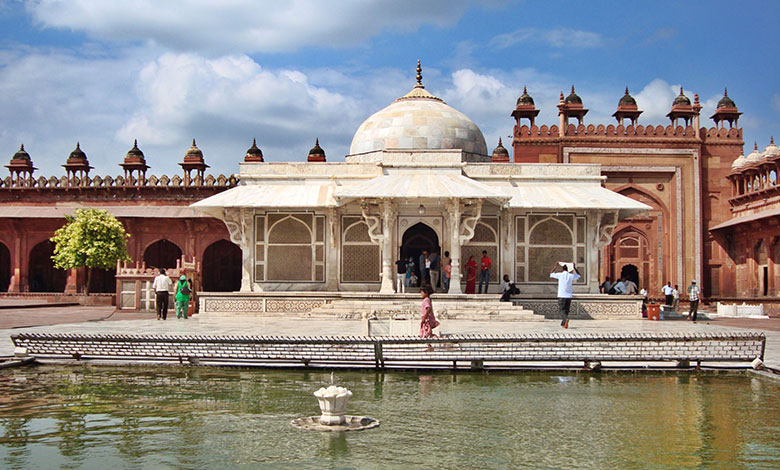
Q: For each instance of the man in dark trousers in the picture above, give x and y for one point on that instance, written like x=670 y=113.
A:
x=565 y=279
x=162 y=286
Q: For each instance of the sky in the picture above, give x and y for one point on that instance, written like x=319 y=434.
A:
x=103 y=73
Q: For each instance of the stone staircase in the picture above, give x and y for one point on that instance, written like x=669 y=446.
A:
x=404 y=308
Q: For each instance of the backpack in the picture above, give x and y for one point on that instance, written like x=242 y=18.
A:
x=185 y=289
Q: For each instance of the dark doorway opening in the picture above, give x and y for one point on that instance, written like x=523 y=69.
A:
x=631 y=273
x=162 y=254
x=766 y=280
x=5 y=268
x=43 y=276
x=417 y=238
x=103 y=281
x=222 y=267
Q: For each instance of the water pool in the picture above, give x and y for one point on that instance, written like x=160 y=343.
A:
x=184 y=417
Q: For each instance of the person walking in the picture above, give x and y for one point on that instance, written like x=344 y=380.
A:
x=183 y=291
x=427 y=319
x=162 y=285
x=676 y=298
x=484 y=271
x=471 y=275
x=435 y=269
x=400 y=274
x=565 y=280
x=667 y=291
x=693 y=296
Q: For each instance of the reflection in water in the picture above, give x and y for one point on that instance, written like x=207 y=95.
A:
x=190 y=417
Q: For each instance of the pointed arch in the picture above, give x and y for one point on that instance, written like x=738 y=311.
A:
x=162 y=253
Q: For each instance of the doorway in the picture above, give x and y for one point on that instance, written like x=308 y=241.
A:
x=631 y=273
x=417 y=238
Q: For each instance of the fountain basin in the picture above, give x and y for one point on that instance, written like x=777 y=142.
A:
x=351 y=423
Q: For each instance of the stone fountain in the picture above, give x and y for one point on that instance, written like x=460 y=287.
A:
x=333 y=417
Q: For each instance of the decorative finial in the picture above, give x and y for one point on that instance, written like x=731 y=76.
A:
x=772 y=140
x=77 y=146
x=135 y=143
x=561 y=96
x=193 y=143
x=21 y=147
x=419 y=75
x=726 y=92
x=696 y=98
x=525 y=92
x=254 y=142
x=572 y=89
x=626 y=90
x=499 y=142
x=755 y=145
x=317 y=142
x=681 y=91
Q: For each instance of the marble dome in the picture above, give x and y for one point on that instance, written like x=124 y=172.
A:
x=418 y=120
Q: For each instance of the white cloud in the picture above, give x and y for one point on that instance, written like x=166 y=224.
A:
x=557 y=38
x=655 y=100
x=233 y=26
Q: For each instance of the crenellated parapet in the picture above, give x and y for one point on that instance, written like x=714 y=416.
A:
x=119 y=182
x=620 y=131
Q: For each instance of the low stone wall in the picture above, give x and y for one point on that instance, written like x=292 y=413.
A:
x=382 y=352
x=598 y=307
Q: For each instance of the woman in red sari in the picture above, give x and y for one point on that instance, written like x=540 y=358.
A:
x=471 y=275
x=427 y=320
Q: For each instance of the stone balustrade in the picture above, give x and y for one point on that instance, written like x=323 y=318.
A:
x=639 y=131
x=399 y=351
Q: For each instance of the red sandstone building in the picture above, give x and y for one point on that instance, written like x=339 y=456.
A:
x=712 y=221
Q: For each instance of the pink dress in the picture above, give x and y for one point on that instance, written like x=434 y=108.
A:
x=427 y=320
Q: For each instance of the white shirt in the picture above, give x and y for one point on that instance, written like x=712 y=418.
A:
x=620 y=287
x=675 y=293
x=667 y=290
x=162 y=283
x=505 y=285
x=565 y=280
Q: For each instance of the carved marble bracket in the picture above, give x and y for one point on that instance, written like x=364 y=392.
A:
x=606 y=227
x=232 y=220
x=374 y=224
x=469 y=223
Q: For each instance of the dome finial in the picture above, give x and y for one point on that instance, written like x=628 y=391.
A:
x=193 y=143
x=572 y=89
x=755 y=146
x=525 y=91
x=626 y=90
x=419 y=75
x=135 y=143
x=772 y=140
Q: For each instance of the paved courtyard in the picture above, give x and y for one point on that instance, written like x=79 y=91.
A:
x=95 y=320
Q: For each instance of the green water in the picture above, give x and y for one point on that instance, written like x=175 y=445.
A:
x=163 y=417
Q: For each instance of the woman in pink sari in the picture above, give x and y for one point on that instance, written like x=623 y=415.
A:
x=427 y=320
x=471 y=275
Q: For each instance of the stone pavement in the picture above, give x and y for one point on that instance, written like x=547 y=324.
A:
x=97 y=320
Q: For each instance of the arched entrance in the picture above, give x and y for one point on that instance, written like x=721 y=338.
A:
x=221 y=267
x=44 y=277
x=5 y=268
x=631 y=273
x=162 y=254
x=417 y=238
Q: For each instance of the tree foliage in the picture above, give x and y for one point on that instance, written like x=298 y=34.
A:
x=93 y=238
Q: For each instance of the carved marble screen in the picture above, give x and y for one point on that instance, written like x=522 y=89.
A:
x=360 y=257
x=485 y=238
x=290 y=247
x=543 y=239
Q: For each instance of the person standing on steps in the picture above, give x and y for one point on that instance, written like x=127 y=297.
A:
x=693 y=296
x=565 y=280
x=667 y=290
x=484 y=272
x=400 y=274
x=162 y=286
x=435 y=268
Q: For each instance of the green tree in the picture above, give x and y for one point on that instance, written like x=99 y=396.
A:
x=93 y=238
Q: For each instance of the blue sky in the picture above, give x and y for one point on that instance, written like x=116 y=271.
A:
x=285 y=72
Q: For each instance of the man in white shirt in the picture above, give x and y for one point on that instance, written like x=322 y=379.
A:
x=668 y=290
x=565 y=280
x=619 y=287
x=162 y=285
